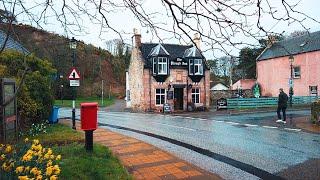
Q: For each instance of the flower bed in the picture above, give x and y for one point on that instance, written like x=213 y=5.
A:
x=28 y=161
x=315 y=112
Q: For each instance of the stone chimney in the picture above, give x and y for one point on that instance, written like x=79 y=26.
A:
x=271 y=40
x=137 y=38
x=196 y=40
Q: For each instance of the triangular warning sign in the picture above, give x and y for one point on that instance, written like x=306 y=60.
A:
x=74 y=74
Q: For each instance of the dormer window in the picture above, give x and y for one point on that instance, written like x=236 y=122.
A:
x=195 y=67
x=160 y=65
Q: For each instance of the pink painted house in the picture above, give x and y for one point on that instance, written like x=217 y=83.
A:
x=301 y=55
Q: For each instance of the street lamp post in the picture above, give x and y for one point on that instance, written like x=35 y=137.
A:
x=73 y=47
x=291 y=59
x=61 y=88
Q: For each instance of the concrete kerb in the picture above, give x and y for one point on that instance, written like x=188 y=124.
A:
x=142 y=163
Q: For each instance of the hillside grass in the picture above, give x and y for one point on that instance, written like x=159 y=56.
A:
x=68 y=103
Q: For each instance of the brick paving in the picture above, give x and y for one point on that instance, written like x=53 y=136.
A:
x=145 y=161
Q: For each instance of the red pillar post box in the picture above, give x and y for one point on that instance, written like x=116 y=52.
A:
x=89 y=122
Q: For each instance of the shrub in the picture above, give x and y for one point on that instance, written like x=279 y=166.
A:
x=315 y=111
x=28 y=161
x=35 y=98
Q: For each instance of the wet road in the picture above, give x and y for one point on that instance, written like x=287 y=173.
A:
x=238 y=142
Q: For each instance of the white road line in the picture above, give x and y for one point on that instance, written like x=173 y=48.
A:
x=175 y=126
x=270 y=127
x=189 y=118
x=290 y=129
x=251 y=125
x=233 y=123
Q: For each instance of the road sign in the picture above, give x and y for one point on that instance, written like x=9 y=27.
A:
x=74 y=74
x=74 y=82
x=291 y=82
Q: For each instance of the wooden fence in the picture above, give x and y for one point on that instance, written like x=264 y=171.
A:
x=247 y=103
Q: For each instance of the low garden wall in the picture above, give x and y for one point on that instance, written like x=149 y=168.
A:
x=315 y=112
x=215 y=95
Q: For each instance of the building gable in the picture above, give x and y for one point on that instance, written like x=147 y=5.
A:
x=292 y=46
x=11 y=43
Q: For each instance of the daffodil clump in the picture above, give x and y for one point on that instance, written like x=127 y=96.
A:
x=32 y=161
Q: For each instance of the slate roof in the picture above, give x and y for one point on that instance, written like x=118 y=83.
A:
x=175 y=51
x=192 y=52
x=11 y=43
x=297 y=45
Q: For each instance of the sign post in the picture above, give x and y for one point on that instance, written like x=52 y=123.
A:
x=74 y=77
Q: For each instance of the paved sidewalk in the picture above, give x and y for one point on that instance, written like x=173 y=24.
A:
x=145 y=161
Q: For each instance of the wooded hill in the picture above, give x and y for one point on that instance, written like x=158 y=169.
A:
x=95 y=64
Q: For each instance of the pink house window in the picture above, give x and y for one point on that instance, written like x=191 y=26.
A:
x=296 y=72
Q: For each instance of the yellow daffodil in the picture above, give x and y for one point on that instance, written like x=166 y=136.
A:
x=58 y=157
x=46 y=156
x=49 y=163
x=27 y=169
x=34 y=171
x=8 y=149
x=53 y=177
x=7 y=167
x=27 y=157
x=49 y=170
x=23 y=177
x=39 y=177
x=26 y=139
x=56 y=169
x=2 y=157
x=49 y=151
x=51 y=156
x=35 y=141
x=19 y=169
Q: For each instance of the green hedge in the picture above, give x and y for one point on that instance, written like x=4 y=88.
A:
x=315 y=112
x=35 y=98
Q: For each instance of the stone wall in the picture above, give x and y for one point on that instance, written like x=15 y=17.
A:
x=176 y=77
x=136 y=83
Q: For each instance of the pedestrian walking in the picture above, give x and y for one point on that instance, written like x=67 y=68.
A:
x=282 y=106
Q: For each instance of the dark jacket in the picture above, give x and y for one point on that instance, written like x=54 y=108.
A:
x=283 y=99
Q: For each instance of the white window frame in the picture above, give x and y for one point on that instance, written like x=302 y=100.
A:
x=196 y=94
x=296 y=74
x=158 y=62
x=311 y=91
x=193 y=63
x=160 y=94
x=163 y=62
x=198 y=63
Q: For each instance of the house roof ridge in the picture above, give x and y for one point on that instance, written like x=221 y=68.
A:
x=168 y=44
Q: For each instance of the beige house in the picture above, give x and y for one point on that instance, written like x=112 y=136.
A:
x=171 y=74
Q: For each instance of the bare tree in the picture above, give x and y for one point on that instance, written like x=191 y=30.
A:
x=219 y=23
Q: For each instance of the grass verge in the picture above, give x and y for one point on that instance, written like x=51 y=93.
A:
x=68 y=103
x=76 y=163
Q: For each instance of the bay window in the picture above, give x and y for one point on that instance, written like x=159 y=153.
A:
x=160 y=65
x=195 y=67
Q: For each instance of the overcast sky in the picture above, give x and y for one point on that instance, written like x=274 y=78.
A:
x=124 y=22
